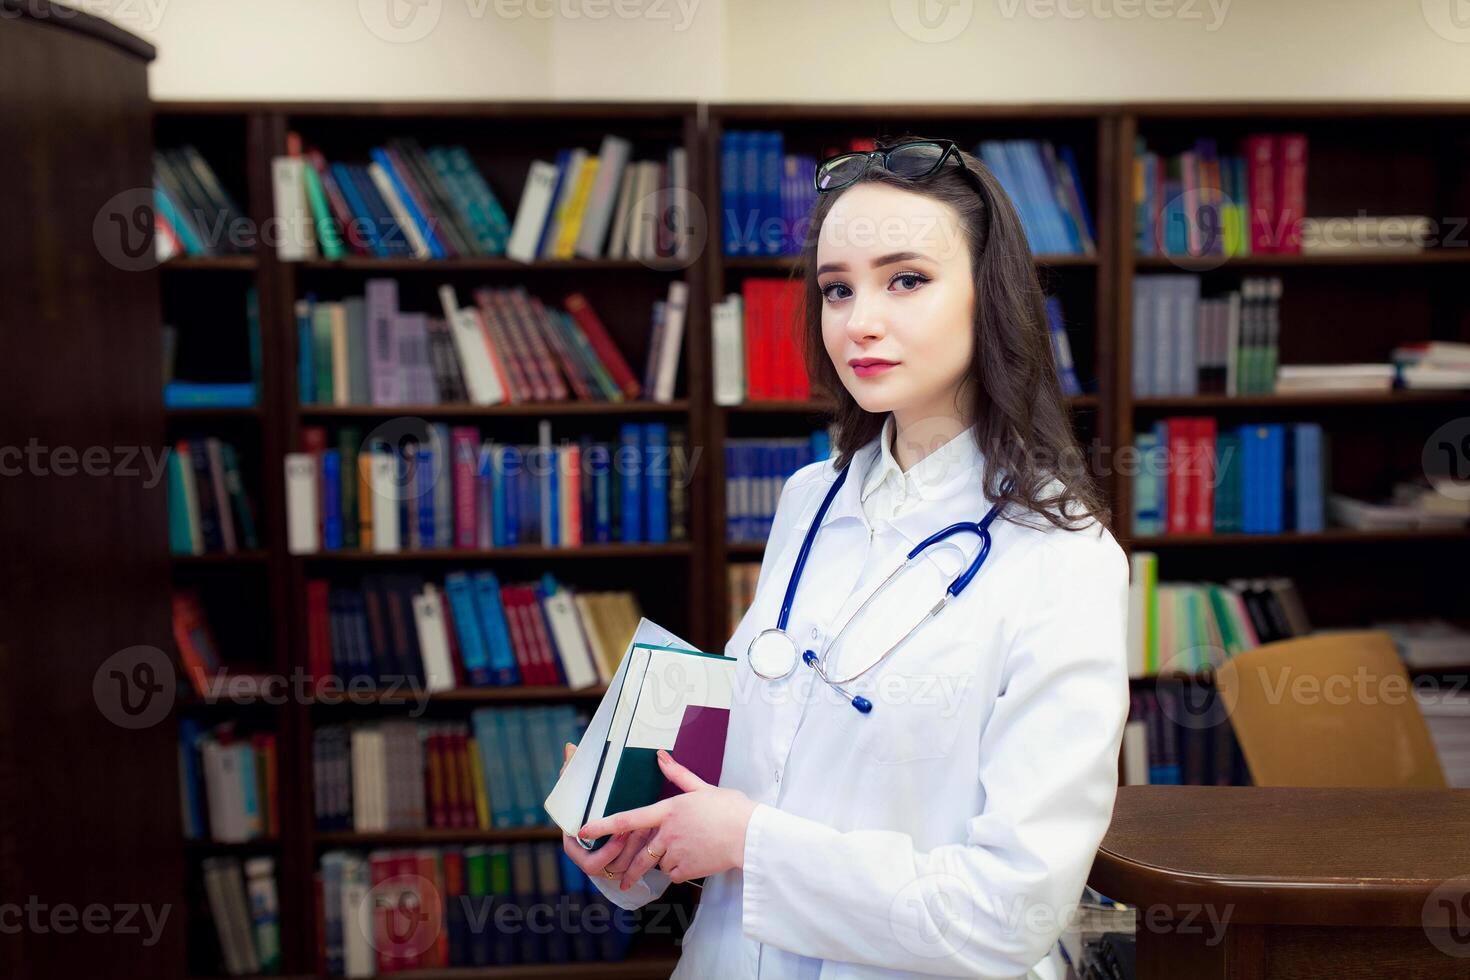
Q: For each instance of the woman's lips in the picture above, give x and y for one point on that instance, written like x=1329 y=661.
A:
x=871 y=369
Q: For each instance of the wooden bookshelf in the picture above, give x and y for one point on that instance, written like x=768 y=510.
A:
x=685 y=582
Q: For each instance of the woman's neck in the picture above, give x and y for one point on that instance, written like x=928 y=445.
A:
x=917 y=434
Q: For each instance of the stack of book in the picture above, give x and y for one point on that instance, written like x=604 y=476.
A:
x=246 y=912
x=438 y=487
x=1429 y=644
x=1181 y=735
x=208 y=507
x=755 y=472
x=477 y=906
x=227 y=783
x=1297 y=379
x=1201 y=203
x=1194 y=477
x=1433 y=364
x=758 y=343
x=506 y=347
x=474 y=631
x=1047 y=188
x=403 y=775
x=1411 y=506
x=193 y=214
x=1190 y=627
x=766 y=194
x=1187 y=345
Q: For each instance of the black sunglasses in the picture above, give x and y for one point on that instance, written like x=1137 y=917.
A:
x=913 y=160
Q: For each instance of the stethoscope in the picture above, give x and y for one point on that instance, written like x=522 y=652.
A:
x=772 y=654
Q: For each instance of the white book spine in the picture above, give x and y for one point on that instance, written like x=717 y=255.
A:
x=617 y=244
x=294 y=240
x=428 y=615
x=673 y=338
x=525 y=235
x=1135 y=753
x=612 y=157
x=381 y=483
x=400 y=214
x=302 y=536
x=576 y=658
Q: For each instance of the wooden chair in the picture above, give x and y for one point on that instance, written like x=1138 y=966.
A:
x=1334 y=710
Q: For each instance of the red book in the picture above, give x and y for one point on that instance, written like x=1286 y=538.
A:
x=346 y=220
x=1204 y=492
x=1291 y=189
x=197 y=649
x=381 y=870
x=519 y=642
x=430 y=881
x=265 y=768
x=434 y=766
x=465 y=445
x=755 y=355
x=571 y=495
x=413 y=929
x=1260 y=162
x=1180 y=432
x=314 y=441
x=545 y=651
x=791 y=339
x=607 y=351
x=461 y=748
x=456 y=657
x=318 y=632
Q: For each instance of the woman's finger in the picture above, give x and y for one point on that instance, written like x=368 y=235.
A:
x=568 y=749
x=646 y=857
x=593 y=862
x=633 y=843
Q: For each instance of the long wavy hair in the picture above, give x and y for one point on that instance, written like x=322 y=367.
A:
x=1022 y=425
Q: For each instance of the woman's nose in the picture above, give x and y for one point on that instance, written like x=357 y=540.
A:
x=867 y=320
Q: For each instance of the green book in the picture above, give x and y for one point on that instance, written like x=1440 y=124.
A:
x=349 y=441
x=321 y=351
x=322 y=223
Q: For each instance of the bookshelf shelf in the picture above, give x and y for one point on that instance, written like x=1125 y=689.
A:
x=1430 y=256
x=223 y=558
x=676 y=549
x=569 y=408
x=211 y=263
x=635 y=968
x=484 y=264
x=394 y=838
x=472 y=695
x=1325 y=399
x=790 y=263
x=1329 y=536
x=192 y=414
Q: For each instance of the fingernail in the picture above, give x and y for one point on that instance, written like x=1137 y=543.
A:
x=623 y=887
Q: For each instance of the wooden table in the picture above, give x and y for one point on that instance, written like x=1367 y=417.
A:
x=1254 y=882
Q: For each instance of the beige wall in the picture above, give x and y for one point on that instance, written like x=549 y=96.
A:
x=804 y=50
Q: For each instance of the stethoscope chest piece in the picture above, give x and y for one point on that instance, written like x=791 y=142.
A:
x=772 y=654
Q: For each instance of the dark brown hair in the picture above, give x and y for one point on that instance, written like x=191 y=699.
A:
x=1022 y=424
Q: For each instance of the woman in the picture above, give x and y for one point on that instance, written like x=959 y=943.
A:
x=949 y=828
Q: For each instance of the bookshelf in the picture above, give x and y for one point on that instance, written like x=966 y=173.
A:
x=1415 y=164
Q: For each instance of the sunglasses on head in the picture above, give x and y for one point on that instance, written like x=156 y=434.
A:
x=912 y=160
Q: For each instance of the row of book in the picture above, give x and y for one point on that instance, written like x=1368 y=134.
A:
x=438 y=487
x=1190 y=627
x=1180 y=734
x=741 y=578
x=507 y=347
x=1447 y=716
x=1417 y=503
x=244 y=905
x=474 y=631
x=228 y=783
x=209 y=509
x=1199 y=202
x=755 y=472
x=405 y=202
x=1185 y=344
x=758 y=343
x=179 y=392
x=193 y=214
x=474 y=906
x=1046 y=186
x=493 y=773
x=766 y=194
x=1196 y=477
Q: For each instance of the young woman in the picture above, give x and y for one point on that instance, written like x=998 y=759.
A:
x=910 y=785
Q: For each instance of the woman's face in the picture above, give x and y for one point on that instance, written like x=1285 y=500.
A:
x=893 y=269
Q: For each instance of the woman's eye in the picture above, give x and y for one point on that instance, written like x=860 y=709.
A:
x=912 y=279
x=827 y=292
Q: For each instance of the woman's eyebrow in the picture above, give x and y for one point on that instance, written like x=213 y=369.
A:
x=877 y=263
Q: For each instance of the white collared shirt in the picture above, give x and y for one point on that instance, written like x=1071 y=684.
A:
x=950 y=830
x=889 y=491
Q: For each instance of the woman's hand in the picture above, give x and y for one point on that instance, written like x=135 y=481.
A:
x=612 y=859
x=697 y=833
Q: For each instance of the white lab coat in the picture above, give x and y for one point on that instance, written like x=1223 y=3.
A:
x=949 y=831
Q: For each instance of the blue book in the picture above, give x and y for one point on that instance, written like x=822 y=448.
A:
x=1069 y=160
x=474 y=649
x=821 y=446
x=490 y=736
x=391 y=239
x=195 y=826
x=601 y=473
x=1161 y=434
x=630 y=441
x=331 y=500
x=656 y=481
x=305 y=365
x=244 y=754
x=503 y=668
x=1147 y=486
x=551 y=533
x=772 y=234
x=424 y=493
x=751 y=213
x=366 y=226
x=732 y=216
x=1276 y=477
x=420 y=220
x=1308 y=466
x=732 y=498
x=499 y=498
x=548 y=228
x=1253 y=518
x=215 y=394
x=527 y=806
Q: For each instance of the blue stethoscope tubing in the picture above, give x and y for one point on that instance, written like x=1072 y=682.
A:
x=778 y=663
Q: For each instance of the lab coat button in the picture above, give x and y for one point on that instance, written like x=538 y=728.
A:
x=778 y=775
